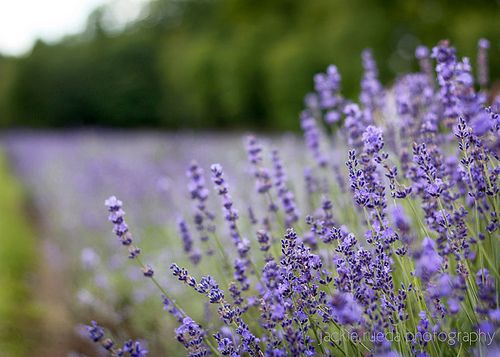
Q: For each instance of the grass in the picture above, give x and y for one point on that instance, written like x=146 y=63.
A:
x=17 y=263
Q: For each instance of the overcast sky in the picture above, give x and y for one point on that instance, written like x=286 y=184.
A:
x=23 y=21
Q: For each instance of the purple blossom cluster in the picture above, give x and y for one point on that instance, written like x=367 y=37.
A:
x=120 y=227
x=129 y=348
x=372 y=92
x=411 y=249
x=202 y=216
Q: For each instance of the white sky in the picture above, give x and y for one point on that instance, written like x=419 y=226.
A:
x=23 y=21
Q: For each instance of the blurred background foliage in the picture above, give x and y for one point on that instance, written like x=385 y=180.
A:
x=226 y=63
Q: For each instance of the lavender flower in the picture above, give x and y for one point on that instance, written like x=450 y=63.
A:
x=372 y=94
x=286 y=196
x=487 y=294
x=187 y=242
x=191 y=335
x=231 y=214
x=96 y=332
x=225 y=345
x=170 y=307
x=312 y=137
x=345 y=310
x=133 y=348
x=445 y=68
x=482 y=62
x=264 y=240
x=116 y=214
x=262 y=175
x=355 y=123
x=422 y=54
x=210 y=288
x=203 y=218
x=428 y=261
x=327 y=86
x=373 y=140
x=148 y=271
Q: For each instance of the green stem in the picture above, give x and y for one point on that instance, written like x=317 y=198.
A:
x=164 y=292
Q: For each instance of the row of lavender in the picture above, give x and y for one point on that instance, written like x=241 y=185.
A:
x=395 y=253
x=68 y=174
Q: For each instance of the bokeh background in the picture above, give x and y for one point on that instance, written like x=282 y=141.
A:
x=122 y=106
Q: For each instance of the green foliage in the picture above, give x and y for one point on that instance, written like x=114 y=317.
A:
x=227 y=63
x=17 y=262
x=105 y=81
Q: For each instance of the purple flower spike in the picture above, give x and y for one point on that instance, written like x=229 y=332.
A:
x=355 y=123
x=134 y=348
x=230 y=213
x=285 y=195
x=422 y=54
x=191 y=335
x=225 y=345
x=96 y=332
x=209 y=287
x=262 y=176
x=345 y=309
x=169 y=306
x=482 y=62
x=120 y=227
x=445 y=68
x=329 y=101
x=372 y=93
x=187 y=242
x=203 y=218
x=373 y=139
x=428 y=261
x=312 y=136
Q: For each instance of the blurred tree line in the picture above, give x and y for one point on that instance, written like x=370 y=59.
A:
x=227 y=63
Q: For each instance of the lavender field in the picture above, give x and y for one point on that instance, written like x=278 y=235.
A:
x=374 y=233
x=68 y=175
